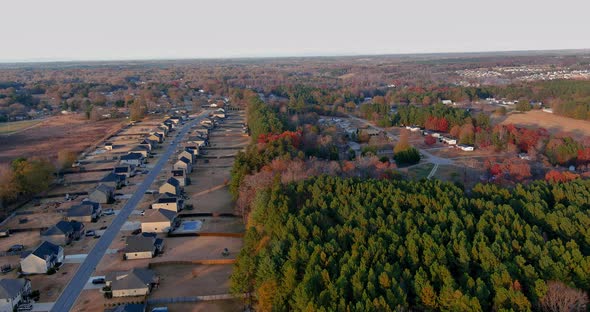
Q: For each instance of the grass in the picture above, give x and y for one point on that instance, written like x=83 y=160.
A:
x=9 y=127
x=419 y=172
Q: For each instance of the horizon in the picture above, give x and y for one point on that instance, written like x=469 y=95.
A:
x=262 y=57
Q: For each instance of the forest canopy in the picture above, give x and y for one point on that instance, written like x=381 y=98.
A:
x=335 y=244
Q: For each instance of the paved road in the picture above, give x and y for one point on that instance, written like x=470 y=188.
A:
x=69 y=295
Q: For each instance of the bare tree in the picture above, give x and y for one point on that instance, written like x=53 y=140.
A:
x=561 y=298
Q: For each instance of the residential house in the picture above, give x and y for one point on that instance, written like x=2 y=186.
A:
x=181 y=176
x=108 y=146
x=156 y=137
x=43 y=258
x=183 y=164
x=143 y=150
x=126 y=170
x=170 y=186
x=158 y=221
x=63 y=232
x=448 y=140
x=132 y=159
x=143 y=246
x=193 y=149
x=197 y=140
x=466 y=148
x=12 y=292
x=114 y=180
x=150 y=143
x=169 y=202
x=355 y=147
x=202 y=132
x=136 y=282
x=188 y=155
x=102 y=194
x=86 y=211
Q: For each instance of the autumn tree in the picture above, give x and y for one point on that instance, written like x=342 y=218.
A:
x=560 y=297
x=137 y=109
x=65 y=159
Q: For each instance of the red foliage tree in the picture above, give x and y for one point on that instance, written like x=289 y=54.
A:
x=557 y=176
x=429 y=140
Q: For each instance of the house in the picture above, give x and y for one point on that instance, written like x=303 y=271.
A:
x=355 y=147
x=183 y=164
x=151 y=143
x=143 y=150
x=128 y=307
x=219 y=114
x=180 y=176
x=86 y=211
x=448 y=140
x=108 y=146
x=63 y=232
x=114 y=180
x=132 y=159
x=136 y=282
x=447 y=102
x=170 y=186
x=102 y=194
x=188 y=155
x=371 y=131
x=202 y=132
x=126 y=170
x=193 y=149
x=143 y=246
x=168 y=202
x=43 y=258
x=466 y=148
x=197 y=140
x=12 y=292
x=156 y=137
x=158 y=221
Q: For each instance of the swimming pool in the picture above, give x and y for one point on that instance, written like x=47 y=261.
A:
x=191 y=226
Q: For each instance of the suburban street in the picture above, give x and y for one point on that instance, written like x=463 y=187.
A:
x=71 y=292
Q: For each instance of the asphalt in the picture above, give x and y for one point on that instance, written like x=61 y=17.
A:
x=70 y=294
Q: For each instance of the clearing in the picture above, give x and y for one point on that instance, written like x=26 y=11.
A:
x=553 y=123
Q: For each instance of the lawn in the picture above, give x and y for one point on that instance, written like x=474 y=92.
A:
x=419 y=172
x=9 y=127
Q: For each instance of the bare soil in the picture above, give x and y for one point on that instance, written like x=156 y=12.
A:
x=553 y=123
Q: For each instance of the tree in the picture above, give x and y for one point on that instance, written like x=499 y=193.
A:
x=138 y=109
x=429 y=140
x=65 y=159
x=8 y=184
x=403 y=143
x=560 y=297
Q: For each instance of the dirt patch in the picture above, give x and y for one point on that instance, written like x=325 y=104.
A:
x=37 y=220
x=553 y=123
x=51 y=286
x=73 y=132
x=216 y=201
x=29 y=239
x=192 y=280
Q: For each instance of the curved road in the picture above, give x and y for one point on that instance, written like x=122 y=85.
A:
x=68 y=297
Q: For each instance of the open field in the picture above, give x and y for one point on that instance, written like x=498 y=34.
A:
x=553 y=123
x=73 y=132
x=192 y=280
x=10 y=127
x=28 y=239
x=420 y=171
x=215 y=201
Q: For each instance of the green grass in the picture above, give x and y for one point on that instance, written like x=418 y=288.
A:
x=420 y=171
x=9 y=127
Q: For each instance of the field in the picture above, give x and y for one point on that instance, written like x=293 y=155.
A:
x=192 y=280
x=205 y=306
x=11 y=127
x=71 y=132
x=553 y=123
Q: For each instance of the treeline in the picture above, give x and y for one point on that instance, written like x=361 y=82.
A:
x=334 y=244
x=24 y=178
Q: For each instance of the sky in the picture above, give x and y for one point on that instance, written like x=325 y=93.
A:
x=56 y=30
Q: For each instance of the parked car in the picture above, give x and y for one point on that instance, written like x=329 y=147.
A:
x=17 y=247
x=98 y=280
x=103 y=227
x=25 y=307
x=90 y=233
x=108 y=212
x=136 y=231
x=97 y=235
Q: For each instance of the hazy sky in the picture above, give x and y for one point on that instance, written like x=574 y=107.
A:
x=126 y=29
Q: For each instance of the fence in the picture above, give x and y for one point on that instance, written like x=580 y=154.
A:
x=193 y=299
x=192 y=262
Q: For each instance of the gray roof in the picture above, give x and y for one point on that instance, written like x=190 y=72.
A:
x=61 y=228
x=46 y=249
x=105 y=188
x=131 y=156
x=185 y=160
x=134 y=279
x=173 y=181
x=159 y=215
x=140 y=243
x=11 y=287
x=82 y=210
x=111 y=177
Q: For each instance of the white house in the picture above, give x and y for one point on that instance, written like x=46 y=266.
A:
x=12 y=291
x=168 y=202
x=43 y=258
x=136 y=282
x=158 y=221
x=466 y=148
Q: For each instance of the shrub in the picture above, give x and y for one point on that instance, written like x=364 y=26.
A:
x=409 y=156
